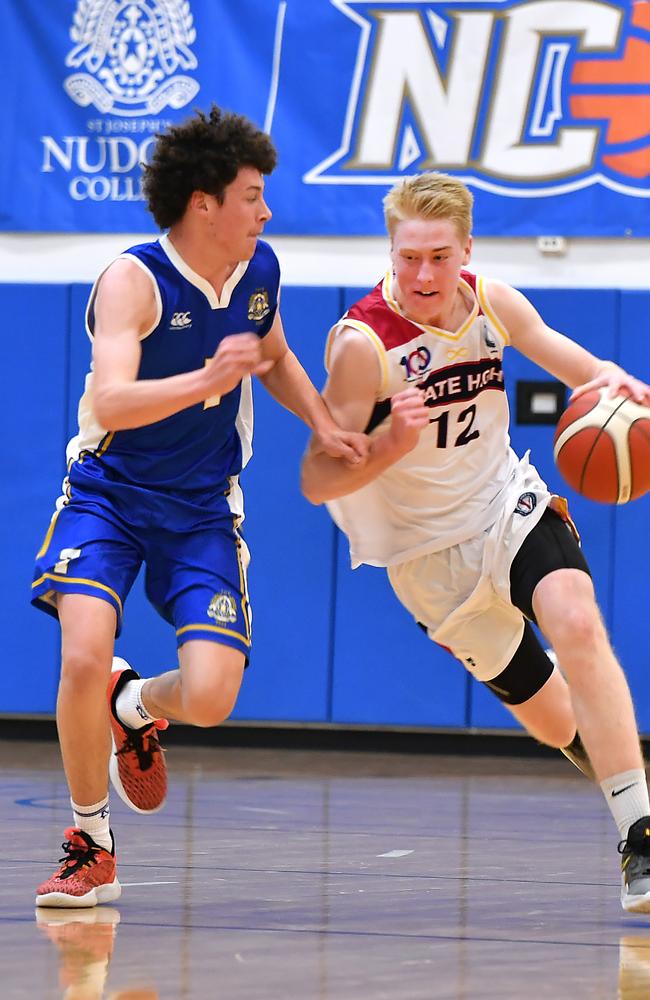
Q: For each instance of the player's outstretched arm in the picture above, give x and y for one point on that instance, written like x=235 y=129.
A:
x=125 y=311
x=350 y=394
x=556 y=353
x=288 y=383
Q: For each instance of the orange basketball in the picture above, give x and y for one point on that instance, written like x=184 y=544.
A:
x=602 y=447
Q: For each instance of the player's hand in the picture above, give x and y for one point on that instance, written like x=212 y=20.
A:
x=409 y=417
x=238 y=355
x=351 y=446
x=618 y=383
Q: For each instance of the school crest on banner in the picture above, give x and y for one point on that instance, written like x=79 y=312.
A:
x=131 y=56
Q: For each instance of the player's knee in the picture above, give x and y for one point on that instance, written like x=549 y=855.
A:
x=210 y=705
x=577 y=633
x=85 y=670
x=558 y=732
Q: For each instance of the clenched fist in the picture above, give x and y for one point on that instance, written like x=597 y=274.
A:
x=409 y=417
x=238 y=355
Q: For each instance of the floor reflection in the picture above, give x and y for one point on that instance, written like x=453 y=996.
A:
x=634 y=967
x=85 y=940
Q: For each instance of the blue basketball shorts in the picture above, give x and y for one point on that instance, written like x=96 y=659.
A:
x=195 y=579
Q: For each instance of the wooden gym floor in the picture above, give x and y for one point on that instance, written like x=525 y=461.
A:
x=319 y=875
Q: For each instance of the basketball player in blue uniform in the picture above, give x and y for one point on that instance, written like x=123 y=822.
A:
x=178 y=328
x=474 y=544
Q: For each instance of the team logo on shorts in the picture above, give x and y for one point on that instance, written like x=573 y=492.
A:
x=258 y=305
x=526 y=504
x=223 y=608
x=65 y=558
x=132 y=53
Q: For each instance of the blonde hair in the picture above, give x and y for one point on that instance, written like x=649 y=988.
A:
x=430 y=196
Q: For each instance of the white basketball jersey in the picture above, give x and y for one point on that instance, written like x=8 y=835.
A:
x=447 y=488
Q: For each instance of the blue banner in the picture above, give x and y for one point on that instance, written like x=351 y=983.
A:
x=541 y=106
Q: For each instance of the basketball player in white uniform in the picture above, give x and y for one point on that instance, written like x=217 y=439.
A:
x=474 y=544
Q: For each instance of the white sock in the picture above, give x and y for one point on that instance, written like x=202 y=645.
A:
x=627 y=798
x=130 y=708
x=95 y=821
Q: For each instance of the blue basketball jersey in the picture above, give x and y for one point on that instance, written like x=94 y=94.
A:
x=195 y=455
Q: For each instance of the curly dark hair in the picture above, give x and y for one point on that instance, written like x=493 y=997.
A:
x=203 y=153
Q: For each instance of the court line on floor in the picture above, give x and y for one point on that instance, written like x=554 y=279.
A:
x=128 y=921
x=345 y=874
x=147 y=883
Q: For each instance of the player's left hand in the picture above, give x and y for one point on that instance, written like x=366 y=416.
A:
x=618 y=383
x=351 y=446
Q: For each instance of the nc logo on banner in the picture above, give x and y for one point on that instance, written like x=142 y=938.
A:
x=132 y=51
x=520 y=98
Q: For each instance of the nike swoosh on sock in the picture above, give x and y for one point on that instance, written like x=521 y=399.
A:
x=619 y=791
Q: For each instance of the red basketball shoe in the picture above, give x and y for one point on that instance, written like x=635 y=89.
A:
x=87 y=875
x=137 y=766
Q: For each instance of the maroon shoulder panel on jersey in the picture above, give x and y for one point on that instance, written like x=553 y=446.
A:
x=470 y=278
x=391 y=328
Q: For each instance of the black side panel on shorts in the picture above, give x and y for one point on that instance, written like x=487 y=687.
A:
x=527 y=672
x=549 y=546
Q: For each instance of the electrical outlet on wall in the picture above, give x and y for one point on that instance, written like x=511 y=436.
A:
x=552 y=245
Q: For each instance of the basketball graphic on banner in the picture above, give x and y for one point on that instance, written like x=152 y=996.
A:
x=620 y=97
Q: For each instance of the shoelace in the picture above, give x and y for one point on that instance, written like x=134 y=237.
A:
x=641 y=847
x=638 y=858
x=76 y=856
x=140 y=742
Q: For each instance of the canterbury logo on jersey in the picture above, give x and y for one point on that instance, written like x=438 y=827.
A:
x=181 y=320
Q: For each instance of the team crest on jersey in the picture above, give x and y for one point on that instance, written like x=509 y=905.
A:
x=132 y=53
x=223 y=608
x=416 y=364
x=526 y=504
x=488 y=340
x=518 y=98
x=258 y=305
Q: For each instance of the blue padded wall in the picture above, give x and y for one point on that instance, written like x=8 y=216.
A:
x=330 y=644
x=386 y=671
x=291 y=542
x=591 y=318
x=34 y=388
x=631 y=537
x=79 y=355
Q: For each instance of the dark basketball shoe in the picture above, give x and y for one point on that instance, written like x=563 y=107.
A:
x=137 y=766
x=635 y=867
